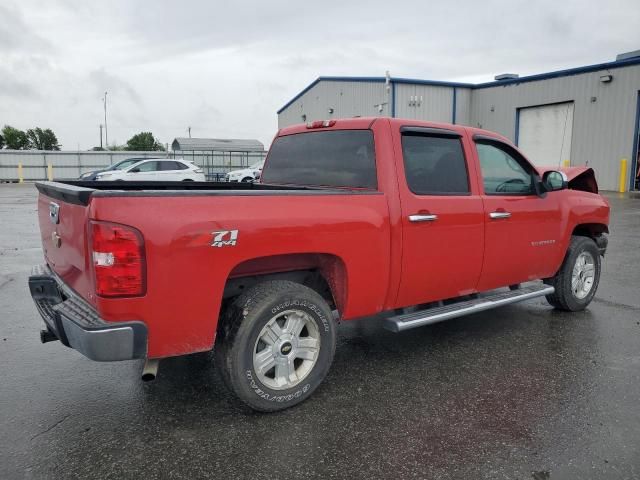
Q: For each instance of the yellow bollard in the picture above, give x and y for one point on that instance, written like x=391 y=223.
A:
x=622 y=185
x=566 y=163
x=20 y=176
x=50 y=172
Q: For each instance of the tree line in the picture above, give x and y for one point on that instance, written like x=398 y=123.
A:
x=33 y=139
x=44 y=139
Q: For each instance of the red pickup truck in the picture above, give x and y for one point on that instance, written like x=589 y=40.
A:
x=417 y=221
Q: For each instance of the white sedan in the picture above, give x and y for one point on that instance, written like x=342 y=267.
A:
x=156 y=169
x=250 y=174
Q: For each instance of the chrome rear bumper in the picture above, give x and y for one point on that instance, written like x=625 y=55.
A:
x=77 y=325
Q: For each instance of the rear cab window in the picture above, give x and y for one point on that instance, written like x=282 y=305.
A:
x=338 y=158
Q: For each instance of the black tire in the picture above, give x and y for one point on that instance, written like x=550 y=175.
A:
x=240 y=326
x=187 y=179
x=247 y=180
x=564 y=298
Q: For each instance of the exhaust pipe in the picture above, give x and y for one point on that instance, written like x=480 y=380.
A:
x=47 y=336
x=150 y=369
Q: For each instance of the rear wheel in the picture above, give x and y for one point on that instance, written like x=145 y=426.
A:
x=577 y=280
x=188 y=180
x=275 y=345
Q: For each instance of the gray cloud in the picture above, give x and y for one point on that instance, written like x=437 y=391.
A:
x=103 y=81
x=224 y=68
x=11 y=87
x=16 y=36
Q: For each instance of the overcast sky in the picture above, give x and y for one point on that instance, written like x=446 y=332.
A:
x=225 y=68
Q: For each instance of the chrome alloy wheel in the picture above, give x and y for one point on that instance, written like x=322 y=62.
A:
x=583 y=275
x=286 y=350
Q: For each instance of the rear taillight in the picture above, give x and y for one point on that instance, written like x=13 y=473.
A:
x=199 y=170
x=117 y=253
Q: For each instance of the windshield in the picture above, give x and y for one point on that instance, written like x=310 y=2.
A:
x=257 y=165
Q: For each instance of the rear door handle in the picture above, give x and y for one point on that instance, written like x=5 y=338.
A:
x=498 y=215
x=422 y=218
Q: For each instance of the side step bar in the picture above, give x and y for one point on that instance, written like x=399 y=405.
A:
x=406 y=321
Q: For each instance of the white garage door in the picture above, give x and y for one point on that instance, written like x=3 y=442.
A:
x=544 y=133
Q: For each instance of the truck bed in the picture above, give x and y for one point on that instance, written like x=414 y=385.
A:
x=278 y=228
x=79 y=192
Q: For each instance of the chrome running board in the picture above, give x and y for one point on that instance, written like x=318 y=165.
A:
x=428 y=316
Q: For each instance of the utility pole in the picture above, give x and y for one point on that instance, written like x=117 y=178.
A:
x=189 y=129
x=100 y=136
x=106 y=138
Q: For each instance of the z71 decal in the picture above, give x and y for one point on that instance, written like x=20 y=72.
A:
x=225 y=238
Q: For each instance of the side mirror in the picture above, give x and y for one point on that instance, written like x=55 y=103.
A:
x=134 y=170
x=554 y=180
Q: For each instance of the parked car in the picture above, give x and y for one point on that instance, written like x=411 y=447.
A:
x=250 y=174
x=156 y=169
x=91 y=176
x=352 y=218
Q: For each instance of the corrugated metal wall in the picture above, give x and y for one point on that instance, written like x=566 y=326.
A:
x=347 y=99
x=366 y=99
x=424 y=102
x=70 y=165
x=603 y=129
x=463 y=106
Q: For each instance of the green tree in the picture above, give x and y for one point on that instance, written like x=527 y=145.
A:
x=40 y=139
x=144 y=141
x=1 y=141
x=15 y=139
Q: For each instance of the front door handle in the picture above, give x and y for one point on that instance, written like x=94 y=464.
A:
x=498 y=215
x=423 y=218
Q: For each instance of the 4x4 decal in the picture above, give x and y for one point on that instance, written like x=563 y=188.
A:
x=225 y=238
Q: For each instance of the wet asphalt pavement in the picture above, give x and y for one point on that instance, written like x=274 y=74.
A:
x=520 y=392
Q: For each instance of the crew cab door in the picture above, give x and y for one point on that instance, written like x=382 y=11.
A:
x=442 y=216
x=522 y=228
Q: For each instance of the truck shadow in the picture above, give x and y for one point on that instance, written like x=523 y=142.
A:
x=456 y=392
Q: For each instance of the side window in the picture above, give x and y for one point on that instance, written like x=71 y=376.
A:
x=168 y=165
x=434 y=165
x=502 y=172
x=171 y=165
x=149 y=167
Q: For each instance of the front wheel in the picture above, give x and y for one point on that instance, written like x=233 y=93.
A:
x=275 y=345
x=577 y=280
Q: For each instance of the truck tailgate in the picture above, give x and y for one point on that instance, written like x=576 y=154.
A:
x=63 y=229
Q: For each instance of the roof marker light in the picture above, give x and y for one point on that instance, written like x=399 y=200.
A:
x=321 y=124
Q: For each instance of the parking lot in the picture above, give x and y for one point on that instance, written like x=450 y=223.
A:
x=519 y=392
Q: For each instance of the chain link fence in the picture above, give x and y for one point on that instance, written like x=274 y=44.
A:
x=33 y=165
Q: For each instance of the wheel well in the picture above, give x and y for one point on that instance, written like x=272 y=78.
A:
x=324 y=273
x=591 y=230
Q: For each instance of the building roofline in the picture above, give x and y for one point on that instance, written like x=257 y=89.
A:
x=436 y=83
x=562 y=73
x=497 y=83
